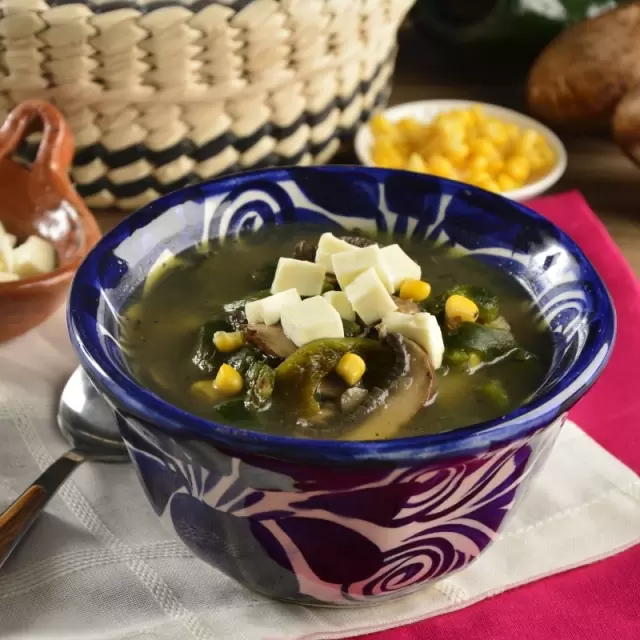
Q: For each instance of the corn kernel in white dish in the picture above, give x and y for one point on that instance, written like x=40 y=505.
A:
x=400 y=266
x=34 y=257
x=311 y=319
x=306 y=277
x=339 y=301
x=422 y=328
x=8 y=277
x=328 y=245
x=348 y=265
x=165 y=262
x=6 y=250
x=369 y=297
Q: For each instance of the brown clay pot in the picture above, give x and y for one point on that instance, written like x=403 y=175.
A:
x=589 y=76
x=40 y=199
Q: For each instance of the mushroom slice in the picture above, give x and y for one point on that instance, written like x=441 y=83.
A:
x=358 y=241
x=305 y=250
x=408 y=387
x=271 y=340
x=406 y=306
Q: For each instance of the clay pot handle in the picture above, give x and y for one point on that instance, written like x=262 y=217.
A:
x=56 y=150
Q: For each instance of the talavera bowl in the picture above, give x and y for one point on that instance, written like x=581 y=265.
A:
x=326 y=522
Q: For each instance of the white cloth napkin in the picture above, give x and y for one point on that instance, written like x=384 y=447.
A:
x=99 y=565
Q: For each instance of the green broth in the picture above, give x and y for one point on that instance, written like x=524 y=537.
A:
x=161 y=329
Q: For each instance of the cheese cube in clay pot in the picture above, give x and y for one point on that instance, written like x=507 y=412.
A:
x=400 y=266
x=369 y=297
x=311 y=319
x=328 y=245
x=348 y=265
x=34 y=257
x=268 y=310
x=306 y=277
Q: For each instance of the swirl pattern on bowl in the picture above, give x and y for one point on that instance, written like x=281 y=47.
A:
x=280 y=514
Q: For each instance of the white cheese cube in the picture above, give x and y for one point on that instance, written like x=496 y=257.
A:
x=273 y=305
x=399 y=266
x=34 y=257
x=422 y=328
x=329 y=245
x=311 y=319
x=339 y=301
x=8 y=277
x=348 y=265
x=268 y=310
x=369 y=297
x=306 y=277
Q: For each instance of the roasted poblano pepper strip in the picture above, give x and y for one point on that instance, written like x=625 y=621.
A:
x=487 y=303
x=260 y=380
x=205 y=355
x=297 y=378
x=488 y=343
x=351 y=329
x=243 y=359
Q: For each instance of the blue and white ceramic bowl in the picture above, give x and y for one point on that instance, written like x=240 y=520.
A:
x=327 y=522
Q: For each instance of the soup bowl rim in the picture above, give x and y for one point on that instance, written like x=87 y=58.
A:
x=129 y=396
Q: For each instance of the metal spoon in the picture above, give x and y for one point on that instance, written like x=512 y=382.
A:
x=89 y=426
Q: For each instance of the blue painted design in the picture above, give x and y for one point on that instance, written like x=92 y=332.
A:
x=403 y=511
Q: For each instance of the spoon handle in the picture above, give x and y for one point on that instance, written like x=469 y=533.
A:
x=18 y=517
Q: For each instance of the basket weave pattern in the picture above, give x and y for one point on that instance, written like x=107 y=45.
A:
x=160 y=93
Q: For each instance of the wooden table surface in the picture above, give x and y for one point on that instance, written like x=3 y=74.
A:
x=609 y=181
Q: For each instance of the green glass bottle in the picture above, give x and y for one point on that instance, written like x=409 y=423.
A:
x=522 y=26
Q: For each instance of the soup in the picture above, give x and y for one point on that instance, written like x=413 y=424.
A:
x=292 y=331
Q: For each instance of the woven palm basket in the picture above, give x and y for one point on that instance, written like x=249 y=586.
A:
x=162 y=93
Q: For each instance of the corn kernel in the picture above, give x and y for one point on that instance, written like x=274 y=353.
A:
x=456 y=152
x=459 y=309
x=489 y=185
x=228 y=341
x=464 y=116
x=495 y=165
x=416 y=163
x=228 y=381
x=478 y=163
x=417 y=290
x=527 y=142
x=477 y=178
x=506 y=182
x=388 y=159
x=449 y=126
x=351 y=368
x=410 y=128
x=206 y=389
x=547 y=154
x=440 y=166
x=494 y=130
x=477 y=113
x=483 y=147
x=381 y=126
x=518 y=167
x=512 y=131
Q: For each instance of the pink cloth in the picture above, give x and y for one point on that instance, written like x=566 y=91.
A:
x=602 y=600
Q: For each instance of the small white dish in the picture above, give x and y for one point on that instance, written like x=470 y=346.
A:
x=426 y=110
